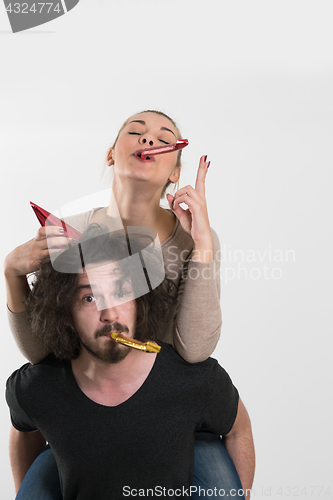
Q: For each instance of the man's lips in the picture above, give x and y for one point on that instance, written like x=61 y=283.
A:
x=107 y=330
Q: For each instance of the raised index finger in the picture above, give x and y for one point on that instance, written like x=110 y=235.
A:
x=201 y=175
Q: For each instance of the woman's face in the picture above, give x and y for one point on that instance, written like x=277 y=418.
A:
x=141 y=131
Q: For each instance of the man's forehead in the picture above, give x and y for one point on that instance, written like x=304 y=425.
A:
x=94 y=273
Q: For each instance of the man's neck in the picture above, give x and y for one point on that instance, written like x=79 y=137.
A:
x=112 y=384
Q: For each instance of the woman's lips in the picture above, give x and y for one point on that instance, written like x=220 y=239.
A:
x=147 y=159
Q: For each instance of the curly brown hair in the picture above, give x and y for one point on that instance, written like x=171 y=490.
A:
x=49 y=305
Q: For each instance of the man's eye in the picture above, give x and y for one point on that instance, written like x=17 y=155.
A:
x=122 y=293
x=89 y=299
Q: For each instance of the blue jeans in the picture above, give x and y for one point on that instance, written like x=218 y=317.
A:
x=41 y=482
x=213 y=468
x=215 y=475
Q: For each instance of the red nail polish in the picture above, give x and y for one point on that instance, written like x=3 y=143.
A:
x=205 y=158
x=208 y=165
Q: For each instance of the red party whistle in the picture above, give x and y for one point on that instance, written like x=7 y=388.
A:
x=46 y=218
x=143 y=153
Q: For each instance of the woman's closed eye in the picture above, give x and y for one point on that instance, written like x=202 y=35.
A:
x=160 y=140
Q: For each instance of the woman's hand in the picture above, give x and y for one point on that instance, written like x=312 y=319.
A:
x=26 y=259
x=195 y=218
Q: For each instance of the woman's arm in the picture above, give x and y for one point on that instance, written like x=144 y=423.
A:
x=198 y=323
x=23 y=260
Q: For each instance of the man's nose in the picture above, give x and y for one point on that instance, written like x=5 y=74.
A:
x=109 y=315
x=146 y=141
x=108 y=310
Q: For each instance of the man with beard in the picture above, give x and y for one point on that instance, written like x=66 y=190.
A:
x=120 y=421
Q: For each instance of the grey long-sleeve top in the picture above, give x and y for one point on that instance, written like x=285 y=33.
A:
x=195 y=322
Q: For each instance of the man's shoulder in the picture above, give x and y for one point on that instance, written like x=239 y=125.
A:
x=171 y=356
x=201 y=380
x=29 y=374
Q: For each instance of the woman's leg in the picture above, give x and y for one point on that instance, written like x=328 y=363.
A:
x=41 y=482
x=213 y=468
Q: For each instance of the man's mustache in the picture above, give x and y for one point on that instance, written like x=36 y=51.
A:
x=114 y=327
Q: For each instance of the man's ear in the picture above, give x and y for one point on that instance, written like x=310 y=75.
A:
x=174 y=177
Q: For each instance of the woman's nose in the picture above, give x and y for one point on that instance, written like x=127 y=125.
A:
x=147 y=141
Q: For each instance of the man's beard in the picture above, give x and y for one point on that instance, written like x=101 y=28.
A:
x=114 y=352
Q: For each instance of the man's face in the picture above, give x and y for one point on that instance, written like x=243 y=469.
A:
x=104 y=303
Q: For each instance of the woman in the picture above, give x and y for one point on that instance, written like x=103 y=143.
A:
x=188 y=246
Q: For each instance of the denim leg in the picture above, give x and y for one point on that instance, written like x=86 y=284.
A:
x=213 y=468
x=41 y=482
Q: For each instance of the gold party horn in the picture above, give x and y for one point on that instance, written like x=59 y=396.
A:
x=136 y=344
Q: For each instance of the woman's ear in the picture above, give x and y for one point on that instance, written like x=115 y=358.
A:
x=109 y=158
x=174 y=177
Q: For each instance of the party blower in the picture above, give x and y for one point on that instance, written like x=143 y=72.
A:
x=46 y=218
x=136 y=344
x=148 y=152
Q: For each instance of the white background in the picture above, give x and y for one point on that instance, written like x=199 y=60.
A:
x=249 y=84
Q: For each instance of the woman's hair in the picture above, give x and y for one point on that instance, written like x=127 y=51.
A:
x=49 y=305
x=179 y=155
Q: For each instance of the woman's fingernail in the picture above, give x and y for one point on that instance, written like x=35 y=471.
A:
x=208 y=164
x=205 y=158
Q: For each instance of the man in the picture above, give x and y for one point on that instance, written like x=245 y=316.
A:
x=120 y=421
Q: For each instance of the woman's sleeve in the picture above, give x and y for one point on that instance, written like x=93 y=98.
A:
x=24 y=338
x=199 y=319
x=18 y=322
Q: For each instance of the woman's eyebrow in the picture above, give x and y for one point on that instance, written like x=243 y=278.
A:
x=137 y=121
x=168 y=130
x=144 y=123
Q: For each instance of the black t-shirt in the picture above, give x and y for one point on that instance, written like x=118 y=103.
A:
x=146 y=442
